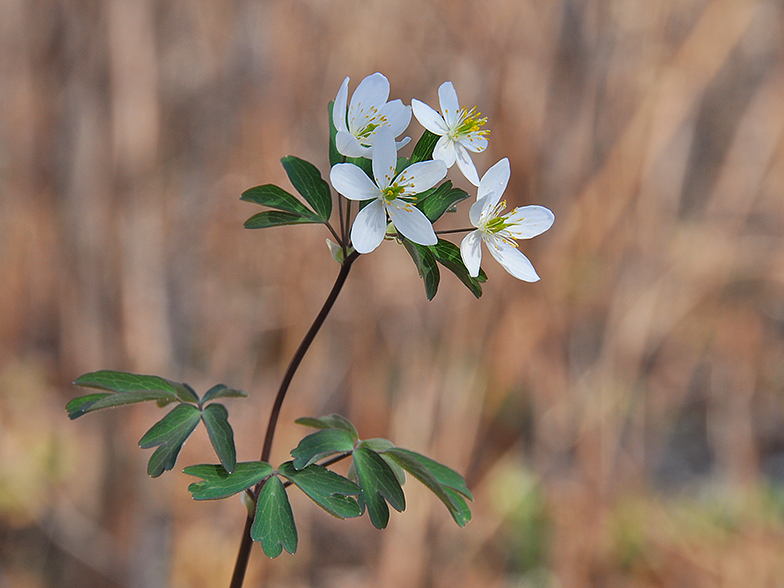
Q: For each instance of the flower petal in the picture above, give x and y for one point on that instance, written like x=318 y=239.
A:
x=526 y=222
x=450 y=106
x=349 y=180
x=384 y=157
x=471 y=252
x=339 y=107
x=369 y=97
x=511 y=259
x=411 y=222
x=429 y=118
x=474 y=142
x=369 y=227
x=397 y=115
x=348 y=145
x=465 y=164
x=421 y=176
x=494 y=181
x=445 y=150
x=475 y=212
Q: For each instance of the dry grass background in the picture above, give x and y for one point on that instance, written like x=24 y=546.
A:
x=620 y=422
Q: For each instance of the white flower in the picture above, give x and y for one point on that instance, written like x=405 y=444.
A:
x=389 y=195
x=499 y=232
x=459 y=130
x=368 y=112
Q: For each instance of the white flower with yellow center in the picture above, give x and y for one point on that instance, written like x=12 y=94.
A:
x=460 y=130
x=391 y=195
x=500 y=231
x=368 y=112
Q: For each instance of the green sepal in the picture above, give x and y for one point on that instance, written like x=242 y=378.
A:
x=321 y=444
x=379 y=486
x=306 y=178
x=426 y=265
x=277 y=198
x=276 y=218
x=335 y=156
x=221 y=391
x=423 y=150
x=169 y=433
x=444 y=198
x=216 y=421
x=331 y=421
x=217 y=483
x=274 y=522
x=448 y=255
x=329 y=490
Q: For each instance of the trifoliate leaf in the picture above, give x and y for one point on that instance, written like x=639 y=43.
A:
x=276 y=218
x=306 y=178
x=448 y=255
x=276 y=197
x=329 y=490
x=331 y=421
x=216 y=420
x=218 y=483
x=320 y=445
x=170 y=433
x=221 y=391
x=379 y=486
x=274 y=522
x=426 y=266
x=423 y=150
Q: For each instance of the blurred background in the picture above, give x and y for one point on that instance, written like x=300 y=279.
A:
x=620 y=422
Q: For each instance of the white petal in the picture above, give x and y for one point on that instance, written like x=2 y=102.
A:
x=348 y=145
x=384 y=157
x=369 y=97
x=397 y=115
x=450 y=107
x=429 y=118
x=465 y=164
x=445 y=151
x=511 y=259
x=529 y=221
x=421 y=176
x=411 y=222
x=475 y=212
x=474 y=142
x=494 y=181
x=339 y=107
x=471 y=252
x=349 y=180
x=369 y=227
x=402 y=143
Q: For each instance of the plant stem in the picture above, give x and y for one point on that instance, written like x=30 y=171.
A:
x=451 y=231
x=244 y=553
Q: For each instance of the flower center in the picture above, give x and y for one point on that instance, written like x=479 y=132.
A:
x=469 y=122
x=392 y=192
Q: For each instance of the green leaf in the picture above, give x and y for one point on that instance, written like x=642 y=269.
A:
x=186 y=393
x=221 y=391
x=435 y=205
x=426 y=266
x=414 y=467
x=276 y=218
x=79 y=406
x=274 y=523
x=306 y=178
x=462 y=514
x=423 y=150
x=126 y=389
x=399 y=472
x=448 y=255
x=218 y=483
x=321 y=444
x=334 y=155
x=378 y=444
x=216 y=420
x=276 y=197
x=378 y=483
x=331 y=421
x=170 y=433
x=445 y=475
x=329 y=490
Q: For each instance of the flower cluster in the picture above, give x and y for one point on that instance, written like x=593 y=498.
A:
x=368 y=128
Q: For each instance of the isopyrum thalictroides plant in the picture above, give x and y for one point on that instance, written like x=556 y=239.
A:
x=398 y=199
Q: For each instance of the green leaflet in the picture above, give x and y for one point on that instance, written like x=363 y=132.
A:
x=331 y=421
x=426 y=266
x=329 y=490
x=216 y=421
x=221 y=391
x=276 y=197
x=274 y=524
x=379 y=485
x=306 y=178
x=218 y=483
x=423 y=150
x=276 y=218
x=169 y=434
x=321 y=444
x=448 y=255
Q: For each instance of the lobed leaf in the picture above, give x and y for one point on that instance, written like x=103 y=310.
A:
x=218 y=483
x=274 y=522
x=170 y=433
x=448 y=255
x=423 y=150
x=221 y=391
x=331 y=421
x=329 y=490
x=426 y=266
x=379 y=486
x=307 y=180
x=276 y=218
x=321 y=444
x=216 y=420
